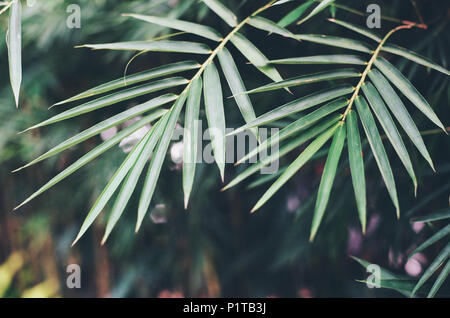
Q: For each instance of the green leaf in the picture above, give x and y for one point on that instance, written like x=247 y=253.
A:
x=237 y=86
x=329 y=173
x=189 y=27
x=254 y=56
x=222 y=11
x=439 y=281
x=358 y=29
x=106 y=124
x=321 y=6
x=155 y=46
x=357 y=167
x=336 y=41
x=298 y=125
x=190 y=139
x=111 y=187
x=14 y=42
x=295 y=166
x=400 y=112
x=405 y=86
x=378 y=150
x=440 y=215
x=291 y=145
x=133 y=176
x=134 y=79
x=292 y=16
x=269 y=26
x=443 y=255
x=433 y=239
x=384 y=274
x=157 y=159
x=386 y=121
x=215 y=114
x=323 y=59
x=297 y=106
x=112 y=99
x=91 y=155
x=308 y=79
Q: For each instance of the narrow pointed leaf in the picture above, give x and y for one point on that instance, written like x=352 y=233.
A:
x=386 y=121
x=405 y=86
x=157 y=160
x=298 y=125
x=112 y=99
x=443 y=255
x=190 y=140
x=189 y=27
x=237 y=86
x=440 y=215
x=134 y=79
x=222 y=11
x=363 y=31
x=326 y=183
x=254 y=56
x=400 y=112
x=321 y=6
x=295 y=14
x=439 y=281
x=433 y=239
x=215 y=114
x=111 y=187
x=308 y=79
x=269 y=26
x=378 y=150
x=133 y=177
x=323 y=59
x=155 y=46
x=91 y=155
x=295 y=166
x=357 y=167
x=14 y=41
x=298 y=105
x=336 y=42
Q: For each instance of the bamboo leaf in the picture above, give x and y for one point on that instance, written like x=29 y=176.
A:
x=308 y=79
x=91 y=155
x=133 y=176
x=439 y=281
x=291 y=145
x=297 y=106
x=336 y=42
x=405 y=86
x=254 y=56
x=111 y=187
x=329 y=173
x=298 y=125
x=14 y=42
x=386 y=121
x=295 y=166
x=222 y=11
x=215 y=115
x=433 y=239
x=112 y=99
x=321 y=6
x=295 y=14
x=323 y=59
x=400 y=112
x=155 y=46
x=157 y=160
x=134 y=79
x=440 y=215
x=237 y=86
x=378 y=150
x=357 y=167
x=269 y=26
x=443 y=255
x=189 y=27
x=106 y=124
x=363 y=31
x=190 y=137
